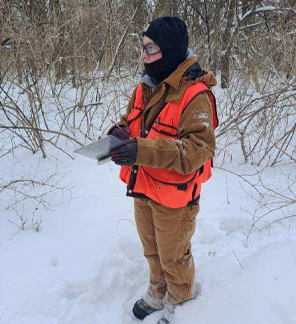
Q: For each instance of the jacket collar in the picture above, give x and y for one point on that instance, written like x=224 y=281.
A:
x=175 y=78
x=175 y=90
x=152 y=83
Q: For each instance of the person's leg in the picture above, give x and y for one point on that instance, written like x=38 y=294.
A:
x=145 y=226
x=174 y=228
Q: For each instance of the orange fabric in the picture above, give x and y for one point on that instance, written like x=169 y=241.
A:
x=167 y=187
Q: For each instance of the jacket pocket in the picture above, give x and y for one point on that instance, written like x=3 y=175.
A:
x=164 y=129
x=134 y=114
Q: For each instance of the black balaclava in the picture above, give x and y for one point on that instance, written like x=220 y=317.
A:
x=170 y=34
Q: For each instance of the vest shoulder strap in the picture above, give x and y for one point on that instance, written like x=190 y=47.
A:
x=139 y=98
x=197 y=89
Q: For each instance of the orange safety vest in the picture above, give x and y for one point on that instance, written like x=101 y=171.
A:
x=167 y=187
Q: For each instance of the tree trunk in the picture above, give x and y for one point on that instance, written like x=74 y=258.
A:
x=225 y=75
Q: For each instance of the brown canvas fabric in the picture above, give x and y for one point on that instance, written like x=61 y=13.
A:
x=166 y=236
x=196 y=142
x=166 y=232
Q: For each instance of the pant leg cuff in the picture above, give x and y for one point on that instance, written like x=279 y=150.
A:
x=152 y=301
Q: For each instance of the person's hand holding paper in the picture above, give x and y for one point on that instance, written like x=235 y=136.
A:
x=125 y=154
x=123 y=133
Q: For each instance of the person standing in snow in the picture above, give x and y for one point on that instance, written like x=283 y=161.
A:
x=169 y=133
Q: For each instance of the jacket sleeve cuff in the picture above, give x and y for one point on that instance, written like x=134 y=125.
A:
x=154 y=152
x=141 y=156
x=110 y=130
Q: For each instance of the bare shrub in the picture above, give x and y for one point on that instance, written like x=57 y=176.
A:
x=276 y=202
x=67 y=67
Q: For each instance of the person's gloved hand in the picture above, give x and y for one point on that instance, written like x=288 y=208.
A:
x=123 y=134
x=125 y=154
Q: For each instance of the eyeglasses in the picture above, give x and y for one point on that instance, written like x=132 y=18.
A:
x=150 y=49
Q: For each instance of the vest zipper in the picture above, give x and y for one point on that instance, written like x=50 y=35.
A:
x=132 y=180
x=143 y=133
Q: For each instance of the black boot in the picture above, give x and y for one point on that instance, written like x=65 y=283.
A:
x=141 y=309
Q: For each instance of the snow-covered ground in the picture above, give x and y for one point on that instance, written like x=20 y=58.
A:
x=86 y=265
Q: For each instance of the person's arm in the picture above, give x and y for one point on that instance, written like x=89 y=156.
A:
x=194 y=146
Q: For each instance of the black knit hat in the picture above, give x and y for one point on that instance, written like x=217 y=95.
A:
x=168 y=33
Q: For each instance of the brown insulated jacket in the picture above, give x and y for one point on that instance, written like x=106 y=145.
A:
x=196 y=142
